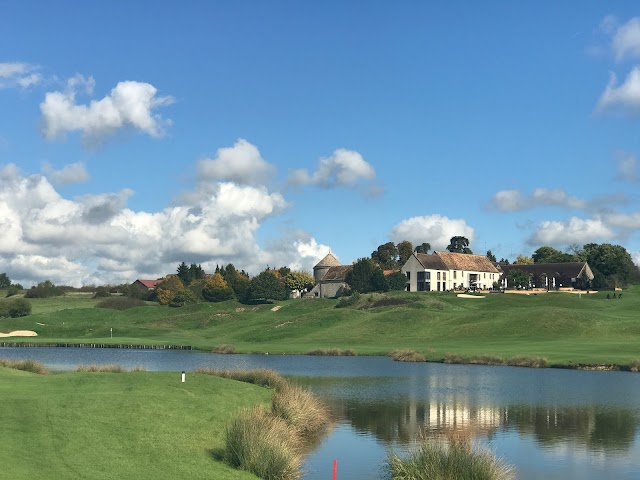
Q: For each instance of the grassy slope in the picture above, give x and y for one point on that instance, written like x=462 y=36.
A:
x=560 y=326
x=139 y=425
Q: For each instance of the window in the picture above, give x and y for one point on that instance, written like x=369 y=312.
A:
x=454 y=274
x=444 y=275
x=408 y=276
x=421 y=277
x=438 y=275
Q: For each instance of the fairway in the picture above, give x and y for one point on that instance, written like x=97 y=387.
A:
x=563 y=327
x=138 y=425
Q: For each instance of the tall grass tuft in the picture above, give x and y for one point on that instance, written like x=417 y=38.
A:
x=100 y=368
x=260 y=376
x=407 y=356
x=25 y=365
x=517 y=361
x=335 y=352
x=635 y=366
x=224 y=348
x=301 y=409
x=445 y=460
x=264 y=445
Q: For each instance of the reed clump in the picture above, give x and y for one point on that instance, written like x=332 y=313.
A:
x=407 y=356
x=335 y=352
x=517 y=361
x=32 y=366
x=224 y=348
x=301 y=409
x=634 y=366
x=455 y=458
x=259 y=376
x=263 y=444
x=100 y=368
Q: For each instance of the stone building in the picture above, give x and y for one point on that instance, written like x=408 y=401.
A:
x=330 y=276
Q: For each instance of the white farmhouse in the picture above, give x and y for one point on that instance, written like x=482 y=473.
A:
x=442 y=271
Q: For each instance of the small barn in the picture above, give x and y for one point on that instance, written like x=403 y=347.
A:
x=148 y=284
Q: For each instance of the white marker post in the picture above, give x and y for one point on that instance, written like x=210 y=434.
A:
x=111 y=332
x=183 y=376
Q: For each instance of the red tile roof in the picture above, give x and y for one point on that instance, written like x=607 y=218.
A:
x=149 y=283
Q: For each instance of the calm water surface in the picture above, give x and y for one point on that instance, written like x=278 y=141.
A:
x=552 y=424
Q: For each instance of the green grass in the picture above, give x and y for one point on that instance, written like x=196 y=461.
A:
x=142 y=425
x=560 y=327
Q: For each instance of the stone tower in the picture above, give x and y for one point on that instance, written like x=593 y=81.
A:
x=323 y=265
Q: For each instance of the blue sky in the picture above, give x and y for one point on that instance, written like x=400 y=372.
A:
x=136 y=135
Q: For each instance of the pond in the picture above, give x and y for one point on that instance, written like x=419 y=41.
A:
x=548 y=423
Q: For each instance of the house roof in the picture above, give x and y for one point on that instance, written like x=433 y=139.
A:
x=328 y=261
x=567 y=270
x=430 y=261
x=337 y=273
x=149 y=283
x=465 y=261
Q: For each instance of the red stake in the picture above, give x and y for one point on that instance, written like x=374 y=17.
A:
x=335 y=469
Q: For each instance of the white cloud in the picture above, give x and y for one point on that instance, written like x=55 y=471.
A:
x=71 y=173
x=575 y=230
x=434 y=229
x=241 y=163
x=514 y=200
x=97 y=239
x=621 y=98
x=509 y=201
x=21 y=75
x=343 y=168
x=626 y=39
x=627 y=167
x=129 y=104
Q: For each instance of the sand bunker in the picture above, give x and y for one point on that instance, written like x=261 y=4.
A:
x=276 y=308
x=19 y=333
x=465 y=295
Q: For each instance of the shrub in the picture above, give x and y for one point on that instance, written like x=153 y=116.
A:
x=217 y=290
x=334 y=352
x=167 y=289
x=183 y=297
x=258 y=376
x=44 y=289
x=263 y=445
x=102 y=292
x=349 y=301
x=14 y=308
x=437 y=459
x=397 y=281
x=407 y=356
x=13 y=290
x=25 y=365
x=121 y=303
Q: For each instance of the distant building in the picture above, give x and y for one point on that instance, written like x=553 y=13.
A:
x=442 y=271
x=552 y=276
x=148 y=284
x=330 y=276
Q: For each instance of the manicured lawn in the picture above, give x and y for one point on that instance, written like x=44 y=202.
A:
x=142 y=425
x=563 y=327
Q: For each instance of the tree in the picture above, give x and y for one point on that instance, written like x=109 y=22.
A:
x=612 y=265
x=195 y=272
x=386 y=256
x=504 y=261
x=238 y=281
x=217 y=289
x=517 y=278
x=551 y=255
x=182 y=298
x=524 y=260
x=44 y=289
x=5 y=282
x=299 y=281
x=423 y=248
x=267 y=286
x=168 y=288
x=405 y=250
x=184 y=274
x=397 y=281
x=491 y=256
x=459 y=245
x=366 y=276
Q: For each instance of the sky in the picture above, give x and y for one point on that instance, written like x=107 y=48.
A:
x=137 y=135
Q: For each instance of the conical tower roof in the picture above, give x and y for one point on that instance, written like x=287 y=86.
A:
x=328 y=261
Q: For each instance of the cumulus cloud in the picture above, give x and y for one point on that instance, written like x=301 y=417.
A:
x=97 y=239
x=627 y=167
x=344 y=168
x=71 y=173
x=241 y=163
x=623 y=98
x=434 y=229
x=130 y=104
x=625 y=40
x=575 y=230
x=21 y=75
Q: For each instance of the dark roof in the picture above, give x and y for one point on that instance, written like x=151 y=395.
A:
x=567 y=269
x=328 y=261
x=149 y=283
x=430 y=261
x=337 y=273
x=465 y=261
